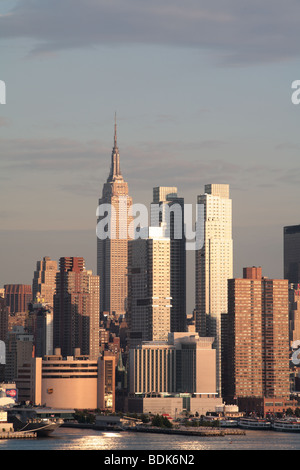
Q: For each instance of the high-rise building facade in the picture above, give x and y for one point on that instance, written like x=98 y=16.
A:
x=3 y=335
x=167 y=211
x=243 y=346
x=149 y=288
x=291 y=248
x=185 y=363
x=3 y=319
x=112 y=244
x=256 y=353
x=40 y=323
x=19 y=349
x=213 y=264
x=44 y=280
x=17 y=297
x=294 y=307
x=107 y=381
x=76 y=309
x=276 y=348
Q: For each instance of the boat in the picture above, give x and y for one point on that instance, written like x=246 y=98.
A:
x=42 y=421
x=286 y=425
x=254 y=423
x=228 y=423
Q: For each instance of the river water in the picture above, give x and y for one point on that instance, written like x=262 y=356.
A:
x=77 y=439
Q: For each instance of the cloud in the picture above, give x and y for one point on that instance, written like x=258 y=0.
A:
x=239 y=32
x=53 y=160
x=43 y=162
x=290 y=177
x=287 y=146
x=55 y=155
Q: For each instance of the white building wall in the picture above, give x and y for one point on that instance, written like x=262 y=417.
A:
x=214 y=265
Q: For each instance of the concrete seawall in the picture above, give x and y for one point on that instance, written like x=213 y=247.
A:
x=17 y=435
x=191 y=432
x=200 y=431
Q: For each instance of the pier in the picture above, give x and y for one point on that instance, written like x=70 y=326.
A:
x=201 y=431
x=184 y=431
x=17 y=435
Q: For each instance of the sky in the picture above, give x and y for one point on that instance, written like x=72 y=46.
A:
x=202 y=92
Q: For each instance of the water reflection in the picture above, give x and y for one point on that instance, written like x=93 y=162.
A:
x=93 y=440
x=97 y=440
x=78 y=439
x=111 y=434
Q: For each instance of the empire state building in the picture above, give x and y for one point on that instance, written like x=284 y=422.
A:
x=112 y=242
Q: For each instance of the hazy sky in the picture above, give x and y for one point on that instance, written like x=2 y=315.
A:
x=202 y=91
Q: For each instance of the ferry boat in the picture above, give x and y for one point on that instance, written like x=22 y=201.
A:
x=287 y=425
x=254 y=423
x=228 y=423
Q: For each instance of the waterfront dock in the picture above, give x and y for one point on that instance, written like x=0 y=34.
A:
x=184 y=431
x=201 y=431
x=17 y=435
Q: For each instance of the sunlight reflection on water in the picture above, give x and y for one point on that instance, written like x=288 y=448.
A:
x=97 y=440
x=88 y=439
x=93 y=440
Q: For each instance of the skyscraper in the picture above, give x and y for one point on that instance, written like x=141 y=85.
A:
x=3 y=319
x=76 y=309
x=276 y=373
x=107 y=381
x=184 y=363
x=294 y=309
x=40 y=323
x=214 y=265
x=149 y=288
x=291 y=269
x=167 y=211
x=44 y=280
x=291 y=244
x=17 y=297
x=243 y=347
x=19 y=349
x=256 y=356
x=112 y=241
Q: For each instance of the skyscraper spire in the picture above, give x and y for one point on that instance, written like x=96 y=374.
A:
x=115 y=140
x=115 y=172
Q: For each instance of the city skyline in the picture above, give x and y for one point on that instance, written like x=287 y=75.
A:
x=92 y=258
x=149 y=155
x=193 y=108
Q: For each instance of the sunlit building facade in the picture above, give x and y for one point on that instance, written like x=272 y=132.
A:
x=167 y=211
x=72 y=382
x=256 y=356
x=44 y=280
x=149 y=288
x=112 y=239
x=214 y=264
x=76 y=308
